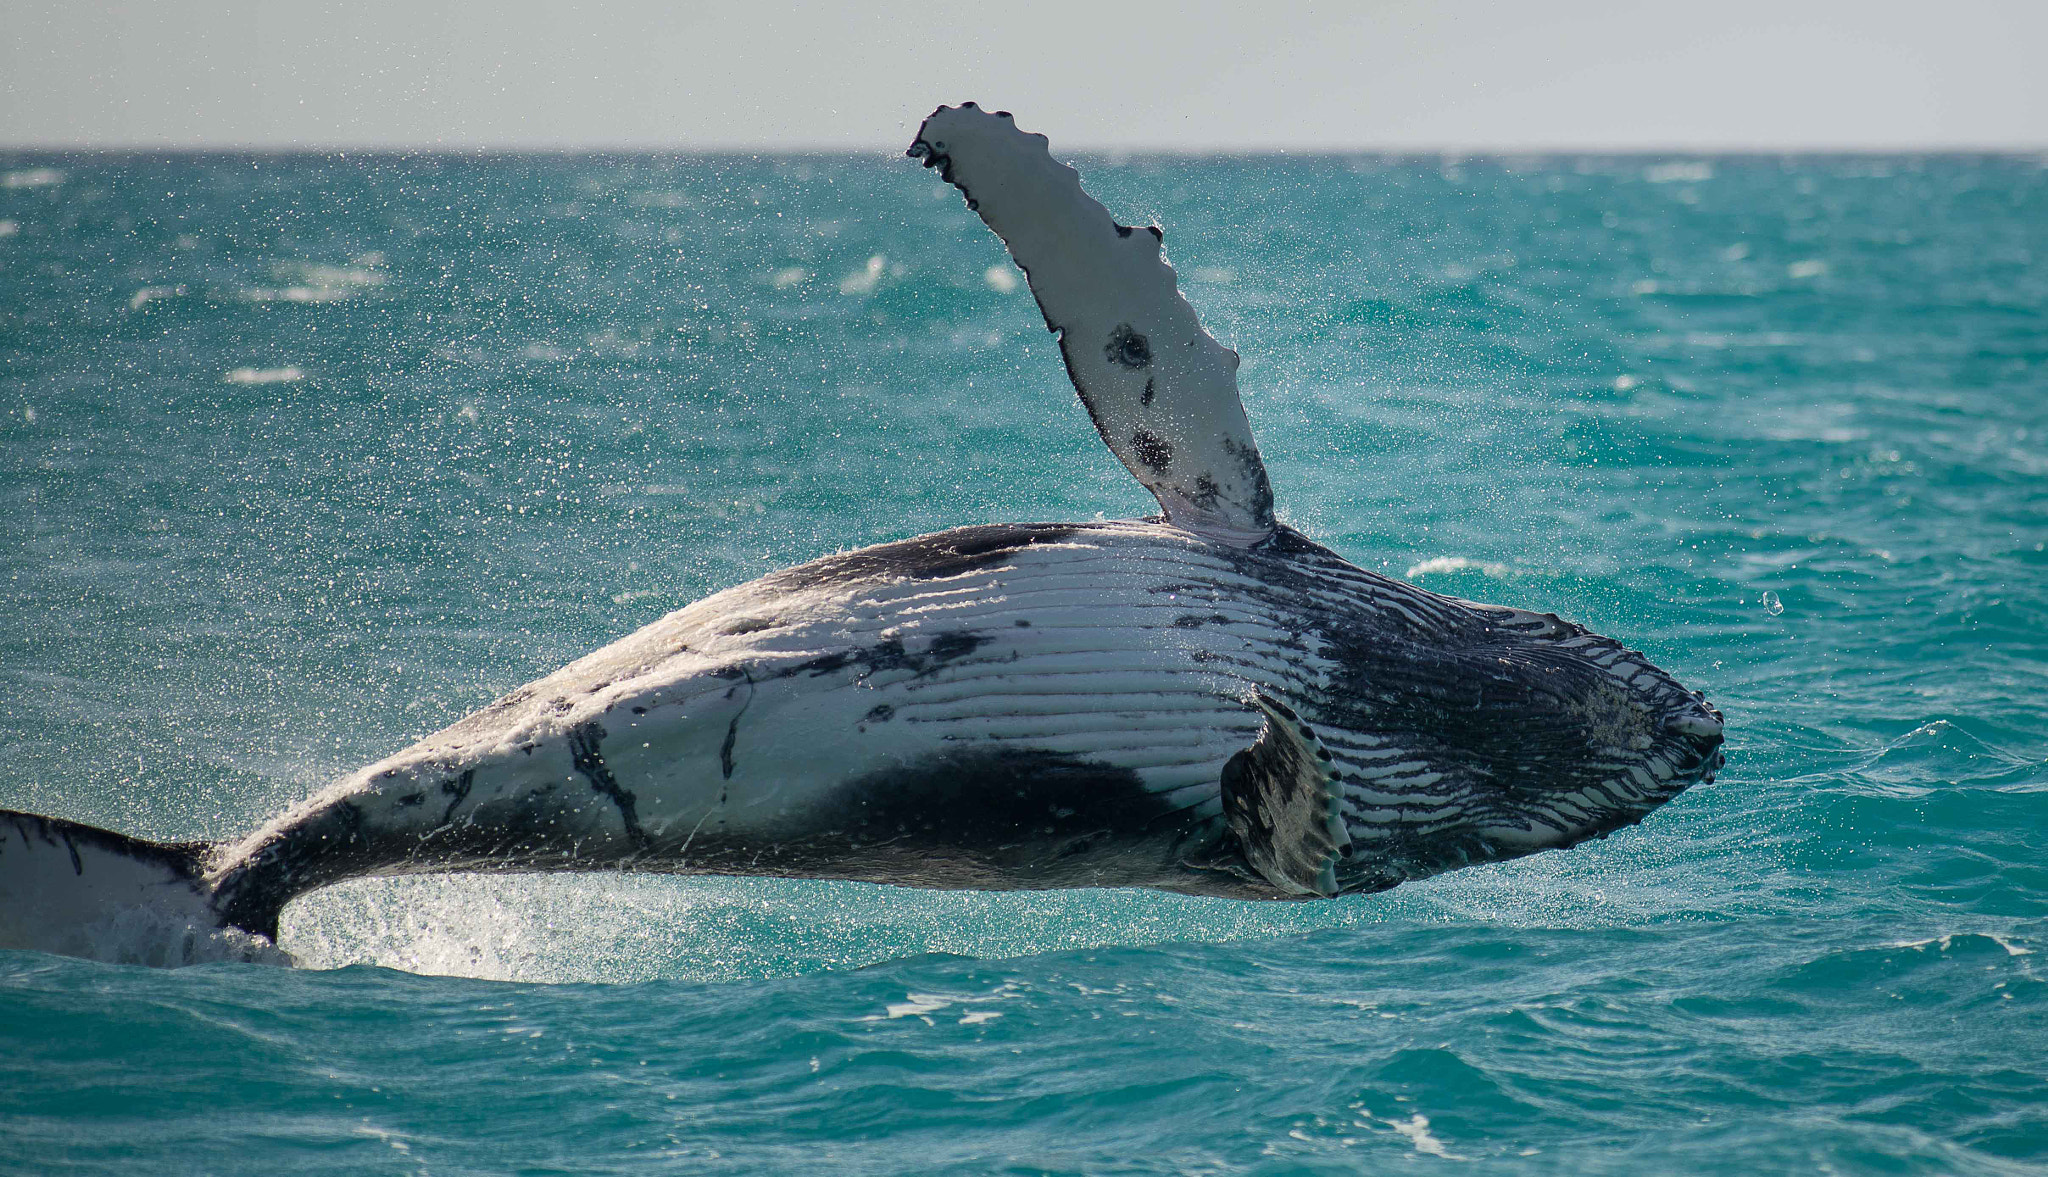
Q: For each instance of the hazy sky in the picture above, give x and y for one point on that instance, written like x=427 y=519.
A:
x=1399 y=74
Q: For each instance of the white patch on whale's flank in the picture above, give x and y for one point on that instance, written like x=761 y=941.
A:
x=1162 y=392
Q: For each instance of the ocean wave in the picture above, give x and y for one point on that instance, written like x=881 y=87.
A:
x=287 y=375
x=32 y=178
x=314 y=283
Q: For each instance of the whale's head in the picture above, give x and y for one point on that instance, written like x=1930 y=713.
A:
x=1509 y=733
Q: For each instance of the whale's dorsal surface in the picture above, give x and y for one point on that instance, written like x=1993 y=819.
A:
x=1163 y=394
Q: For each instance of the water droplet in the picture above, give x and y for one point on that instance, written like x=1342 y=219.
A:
x=1772 y=605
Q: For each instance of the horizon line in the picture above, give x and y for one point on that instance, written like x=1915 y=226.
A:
x=1478 y=151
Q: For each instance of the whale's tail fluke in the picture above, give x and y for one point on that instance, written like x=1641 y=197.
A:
x=76 y=890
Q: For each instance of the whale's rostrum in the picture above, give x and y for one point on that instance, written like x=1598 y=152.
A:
x=1207 y=703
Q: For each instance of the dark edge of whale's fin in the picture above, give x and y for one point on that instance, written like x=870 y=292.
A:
x=1280 y=797
x=1161 y=391
x=77 y=890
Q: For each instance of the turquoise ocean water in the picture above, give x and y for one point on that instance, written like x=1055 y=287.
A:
x=302 y=457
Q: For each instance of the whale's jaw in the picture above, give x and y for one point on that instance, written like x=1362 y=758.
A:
x=1520 y=734
x=1499 y=824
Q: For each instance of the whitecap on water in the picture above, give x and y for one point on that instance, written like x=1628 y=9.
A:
x=264 y=375
x=1416 y=1129
x=864 y=280
x=32 y=178
x=659 y=198
x=311 y=282
x=311 y=294
x=1679 y=171
x=150 y=294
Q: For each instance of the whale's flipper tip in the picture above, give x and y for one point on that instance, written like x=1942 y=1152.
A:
x=76 y=890
x=1280 y=797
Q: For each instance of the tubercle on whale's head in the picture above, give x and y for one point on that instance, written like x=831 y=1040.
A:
x=1575 y=738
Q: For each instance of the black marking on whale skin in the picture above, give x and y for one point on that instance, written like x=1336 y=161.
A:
x=1023 y=818
x=455 y=790
x=888 y=654
x=927 y=557
x=732 y=731
x=1081 y=387
x=1153 y=450
x=589 y=760
x=1127 y=347
x=1252 y=469
x=1151 y=390
x=954 y=644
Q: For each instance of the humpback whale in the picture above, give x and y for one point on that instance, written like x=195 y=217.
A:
x=1205 y=702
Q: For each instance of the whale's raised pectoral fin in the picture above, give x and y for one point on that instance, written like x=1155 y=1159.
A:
x=1280 y=798
x=1162 y=393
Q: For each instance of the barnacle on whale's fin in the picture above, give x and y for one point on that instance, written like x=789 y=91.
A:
x=1280 y=798
x=1162 y=393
